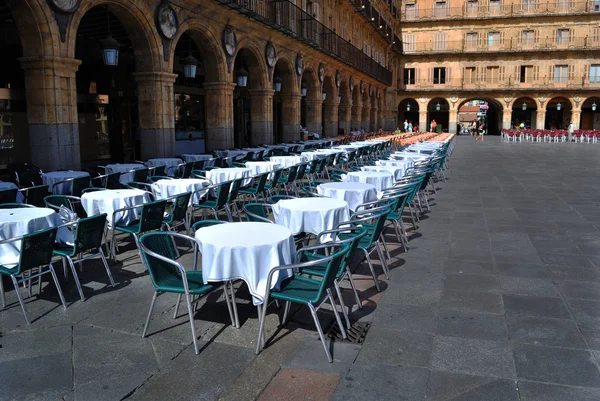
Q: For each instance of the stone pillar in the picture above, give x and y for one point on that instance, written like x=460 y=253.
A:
x=314 y=116
x=506 y=118
x=219 y=115
x=345 y=116
x=452 y=121
x=540 y=119
x=575 y=118
x=156 y=109
x=366 y=115
x=290 y=116
x=356 y=115
x=330 y=125
x=51 y=94
x=423 y=127
x=374 y=116
x=261 y=114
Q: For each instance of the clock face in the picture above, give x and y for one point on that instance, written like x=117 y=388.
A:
x=229 y=41
x=167 y=21
x=65 y=5
x=271 y=55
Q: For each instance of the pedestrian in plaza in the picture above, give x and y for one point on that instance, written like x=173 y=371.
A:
x=474 y=127
x=380 y=132
x=405 y=125
x=397 y=132
x=433 y=125
x=480 y=131
x=409 y=128
x=416 y=129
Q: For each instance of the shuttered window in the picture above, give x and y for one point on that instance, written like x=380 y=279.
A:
x=439 y=41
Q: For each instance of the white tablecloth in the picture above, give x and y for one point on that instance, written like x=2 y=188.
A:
x=170 y=163
x=262 y=167
x=288 y=161
x=310 y=215
x=310 y=156
x=209 y=160
x=219 y=175
x=396 y=171
x=404 y=164
x=164 y=189
x=229 y=253
x=18 y=222
x=354 y=193
x=231 y=153
x=12 y=185
x=124 y=168
x=410 y=156
x=56 y=176
x=110 y=200
x=381 y=180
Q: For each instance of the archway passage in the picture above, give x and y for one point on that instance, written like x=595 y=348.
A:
x=590 y=114
x=311 y=104
x=438 y=110
x=558 y=113
x=487 y=111
x=524 y=112
x=107 y=104
x=285 y=114
x=408 y=110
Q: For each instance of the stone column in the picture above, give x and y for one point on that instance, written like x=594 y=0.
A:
x=540 y=119
x=290 y=116
x=374 y=116
x=366 y=115
x=452 y=121
x=219 y=115
x=330 y=125
x=423 y=127
x=156 y=109
x=575 y=118
x=506 y=118
x=261 y=114
x=314 y=116
x=51 y=94
x=345 y=116
x=356 y=114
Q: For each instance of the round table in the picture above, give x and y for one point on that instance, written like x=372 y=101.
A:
x=396 y=171
x=164 y=189
x=310 y=156
x=311 y=215
x=288 y=161
x=12 y=185
x=219 y=175
x=233 y=153
x=258 y=152
x=171 y=164
x=21 y=221
x=405 y=164
x=262 y=167
x=354 y=193
x=229 y=253
x=56 y=176
x=124 y=168
x=110 y=200
x=381 y=180
x=208 y=159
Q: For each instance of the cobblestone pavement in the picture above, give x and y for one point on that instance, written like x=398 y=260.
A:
x=497 y=299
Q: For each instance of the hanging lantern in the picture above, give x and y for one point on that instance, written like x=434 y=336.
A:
x=407 y=106
x=594 y=106
x=277 y=83
x=110 y=51
x=558 y=106
x=438 y=106
x=524 y=106
x=303 y=89
x=242 y=77
x=324 y=94
x=190 y=64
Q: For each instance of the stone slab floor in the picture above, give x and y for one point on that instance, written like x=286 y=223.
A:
x=498 y=299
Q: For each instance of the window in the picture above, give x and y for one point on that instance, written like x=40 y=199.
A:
x=440 y=9
x=409 y=42
x=410 y=11
x=526 y=73
x=562 y=36
x=439 y=75
x=560 y=73
x=596 y=5
x=563 y=5
x=439 y=41
x=472 y=7
x=527 y=37
x=471 y=40
x=493 y=75
x=470 y=75
x=409 y=76
x=595 y=73
x=495 y=6
x=493 y=39
x=528 y=5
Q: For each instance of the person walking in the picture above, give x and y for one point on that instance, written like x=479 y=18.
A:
x=481 y=131
x=433 y=126
x=474 y=128
x=409 y=128
x=405 y=125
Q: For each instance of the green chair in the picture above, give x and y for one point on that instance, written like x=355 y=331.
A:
x=139 y=175
x=35 y=195
x=258 y=212
x=258 y=189
x=311 y=192
x=151 y=219
x=71 y=203
x=233 y=195
x=76 y=185
x=35 y=252
x=274 y=182
x=157 y=171
x=219 y=203
x=178 y=211
x=306 y=291
x=8 y=195
x=107 y=181
x=185 y=170
x=289 y=178
x=206 y=223
x=89 y=233
x=276 y=198
x=170 y=276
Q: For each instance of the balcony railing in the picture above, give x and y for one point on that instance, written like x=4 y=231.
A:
x=510 y=83
x=501 y=11
x=506 y=45
x=293 y=21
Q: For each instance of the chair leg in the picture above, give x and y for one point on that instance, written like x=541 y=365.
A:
x=76 y=277
x=2 y=296
x=386 y=247
x=177 y=306
x=58 y=288
x=192 y=325
x=382 y=259
x=337 y=314
x=149 y=314
x=351 y=280
x=342 y=304
x=313 y=312
x=110 y=277
x=375 y=279
x=286 y=312
x=18 y=291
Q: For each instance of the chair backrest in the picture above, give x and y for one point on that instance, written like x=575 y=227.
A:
x=30 y=178
x=333 y=261
x=310 y=192
x=257 y=212
x=36 y=249
x=301 y=171
x=187 y=170
x=199 y=164
x=161 y=272
x=218 y=162
x=35 y=195
x=293 y=172
x=159 y=170
x=313 y=166
x=277 y=198
x=262 y=182
x=322 y=165
x=275 y=176
x=89 y=232
x=140 y=175
x=152 y=215
x=249 y=156
x=8 y=195
x=351 y=236
x=235 y=189
x=181 y=203
x=207 y=223
x=72 y=203
x=78 y=185
x=112 y=181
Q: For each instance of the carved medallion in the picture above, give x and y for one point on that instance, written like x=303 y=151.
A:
x=299 y=64
x=351 y=84
x=577 y=100
x=453 y=98
x=167 y=21
x=321 y=73
x=270 y=55
x=229 y=41
x=362 y=87
x=338 y=78
x=378 y=93
x=66 y=6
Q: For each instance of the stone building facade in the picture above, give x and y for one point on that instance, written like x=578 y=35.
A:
x=325 y=64
x=532 y=61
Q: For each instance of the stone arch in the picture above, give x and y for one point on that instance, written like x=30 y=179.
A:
x=37 y=31
x=527 y=116
x=411 y=115
x=258 y=73
x=590 y=113
x=285 y=68
x=494 y=114
x=344 y=91
x=137 y=19
x=441 y=116
x=556 y=118
x=310 y=77
x=330 y=105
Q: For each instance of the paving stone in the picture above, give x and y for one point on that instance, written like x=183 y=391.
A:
x=560 y=273
x=474 y=357
x=413 y=294
x=557 y=365
x=590 y=330
x=528 y=286
x=522 y=270
x=584 y=309
x=455 y=387
x=531 y=391
x=452 y=266
x=112 y=388
x=472 y=301
x=535 y=306
x=566 y=260
x=471 y=282
x=37 y=343
x=311 y=355
x=482 y=326
x=299 y=384
x=406 y=317
x=549 y=332
x=396 y=347
x=579 y=289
